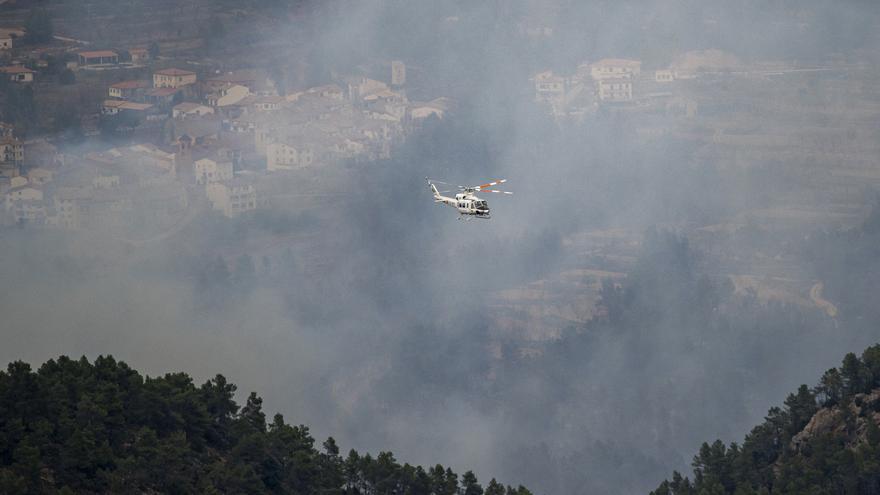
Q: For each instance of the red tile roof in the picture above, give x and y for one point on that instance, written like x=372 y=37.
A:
x=15 y=69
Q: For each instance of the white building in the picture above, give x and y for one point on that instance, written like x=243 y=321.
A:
x=128 y=89
x=112 y=107
x=549 y=87
x=613 y=90
x=17 y=73
x=664 y=76
x=173 y=78
x=232 y=198
x=69 y=205
x=11 y=150
x=280 y=156
x=615 y=68
x=105 y=181
x=29 y=211
x=386 y=102
x=263 y=103
x=187 y=109
x=208 y=171
x=23 y=193
x=18 y=181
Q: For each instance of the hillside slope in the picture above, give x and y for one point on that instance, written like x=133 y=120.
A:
x=824 y=440
x=77 y=427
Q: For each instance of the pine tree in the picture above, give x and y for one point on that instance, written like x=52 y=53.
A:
x=494 y=488
x=469 y=484
x=38 y=27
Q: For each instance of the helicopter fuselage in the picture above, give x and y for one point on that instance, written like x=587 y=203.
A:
x=466 y=204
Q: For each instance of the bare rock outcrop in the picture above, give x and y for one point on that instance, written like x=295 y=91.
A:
x=835 y=420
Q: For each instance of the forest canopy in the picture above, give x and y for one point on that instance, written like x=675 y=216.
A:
x=78 y=427
x=824 y=439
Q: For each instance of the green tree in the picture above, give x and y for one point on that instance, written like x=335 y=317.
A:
x=853 y=375
x=494 y=488
x=801 y=407
x=66 y=77
x=469 y=484
x=11 y=482
x=831 y=387
x=252 y=413
x=38 y=26
x=26 y=464
x=871 y=361
x=20 y=108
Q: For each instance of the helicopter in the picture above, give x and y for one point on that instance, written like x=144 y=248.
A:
x=465 y=201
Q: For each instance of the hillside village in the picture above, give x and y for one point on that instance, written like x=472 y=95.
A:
x=142 y=133
x=784 y=119
x=211 y=135
x=221 y=136
x=624 y=85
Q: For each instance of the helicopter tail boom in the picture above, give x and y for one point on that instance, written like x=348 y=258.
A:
x=433 y=189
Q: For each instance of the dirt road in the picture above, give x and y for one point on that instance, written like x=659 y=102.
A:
x=823 y=304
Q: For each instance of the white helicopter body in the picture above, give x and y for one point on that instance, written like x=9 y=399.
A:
x=466 y=202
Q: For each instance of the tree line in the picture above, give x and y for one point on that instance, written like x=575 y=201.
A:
x=841 y=459
x=73 y=426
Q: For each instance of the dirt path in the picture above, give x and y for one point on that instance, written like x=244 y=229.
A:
x=823 y=304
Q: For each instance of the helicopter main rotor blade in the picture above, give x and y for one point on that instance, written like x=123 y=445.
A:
x=493 y=183
x=495 y=191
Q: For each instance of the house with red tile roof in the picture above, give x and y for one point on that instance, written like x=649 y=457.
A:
x=173 y=78
x=98 y=57
x=17 y=73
